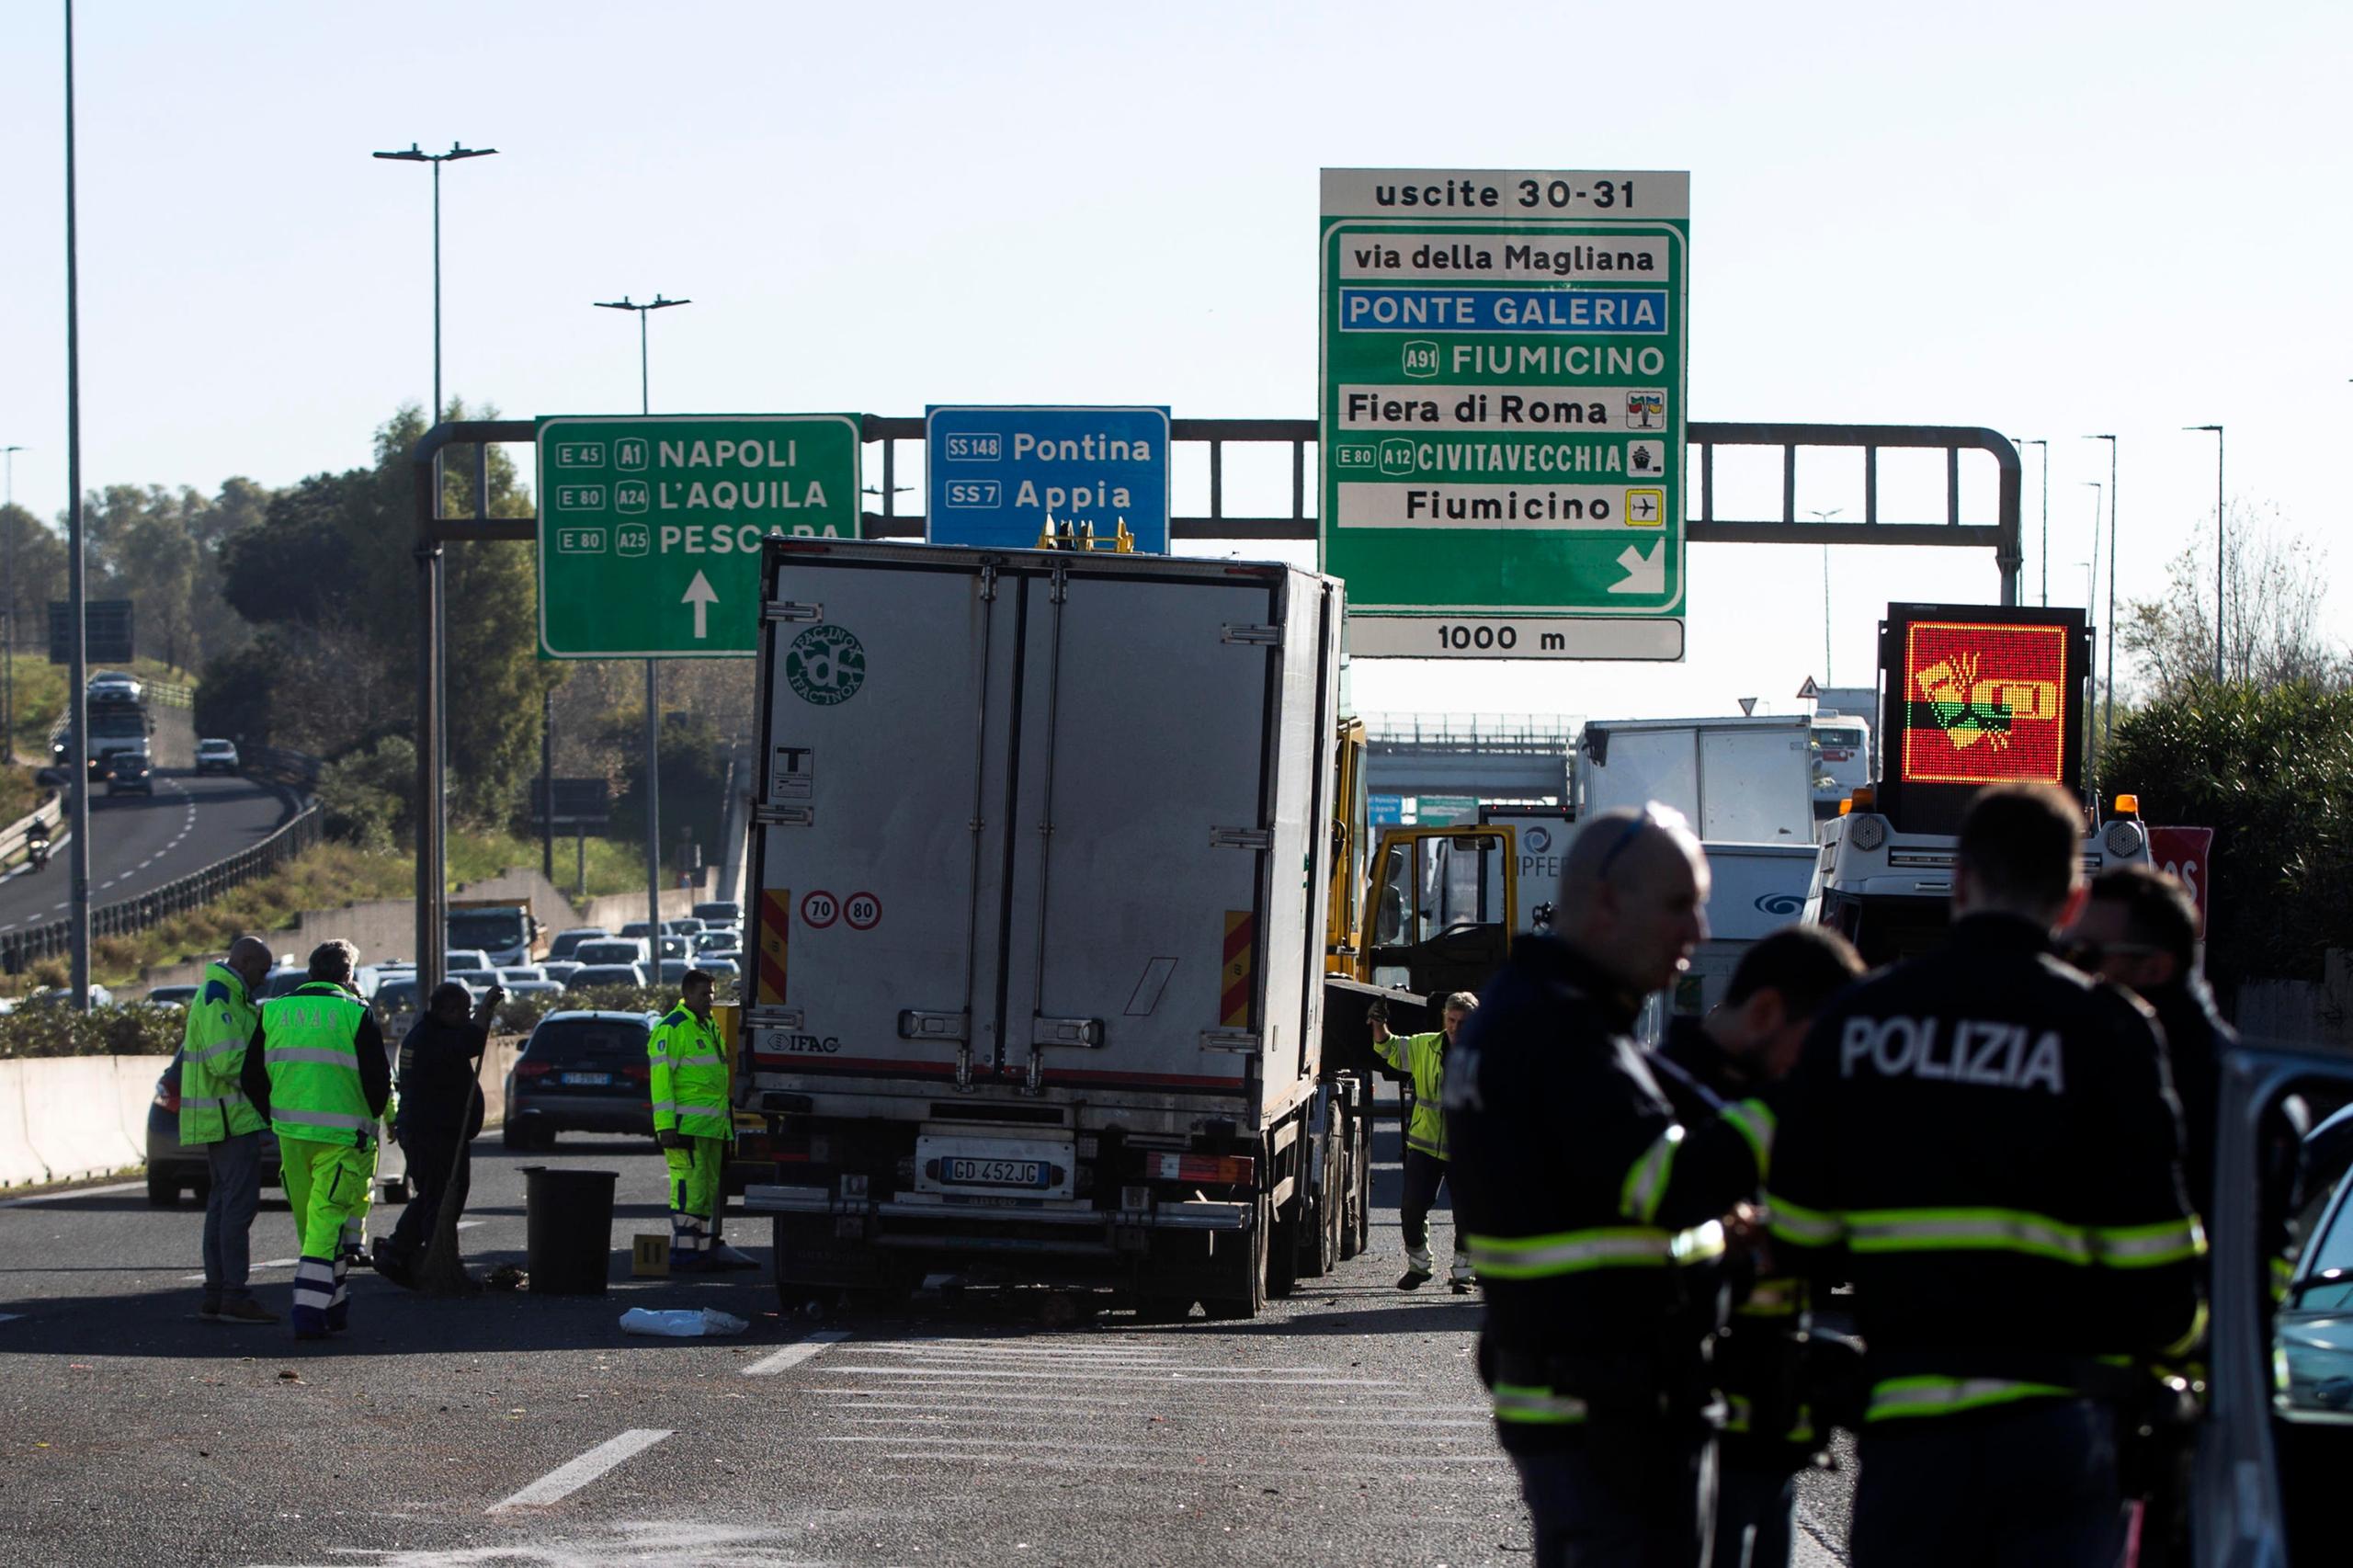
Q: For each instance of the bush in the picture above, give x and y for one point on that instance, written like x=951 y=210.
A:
x=2272 y=771
x=366 y=796
x=51 y=1030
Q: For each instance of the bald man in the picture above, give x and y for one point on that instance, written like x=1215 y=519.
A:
x=1592 y=1218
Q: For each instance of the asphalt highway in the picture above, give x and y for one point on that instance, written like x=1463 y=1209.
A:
x=139 y=843
x=1345 y=1425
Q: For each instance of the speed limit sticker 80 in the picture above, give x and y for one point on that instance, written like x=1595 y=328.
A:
x=861 y=911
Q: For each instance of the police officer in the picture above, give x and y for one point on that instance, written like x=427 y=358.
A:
x=1728 y=1065
x=216 y=1116
x=1592 y=1218
x=1422 y=1058
x=694 y=1124
x=1985 y=1141
x=319 y=1067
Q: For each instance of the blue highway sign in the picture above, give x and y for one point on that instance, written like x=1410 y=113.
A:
x=997 y=474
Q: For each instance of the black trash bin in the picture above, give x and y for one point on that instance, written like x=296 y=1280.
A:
x=568 y=1224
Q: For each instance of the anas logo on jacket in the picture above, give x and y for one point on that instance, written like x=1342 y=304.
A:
x=1991 y=1052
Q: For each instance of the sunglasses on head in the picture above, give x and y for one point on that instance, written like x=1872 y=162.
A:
x=1652 y=815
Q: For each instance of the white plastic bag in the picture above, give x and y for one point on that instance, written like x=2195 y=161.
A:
x=681 y=1322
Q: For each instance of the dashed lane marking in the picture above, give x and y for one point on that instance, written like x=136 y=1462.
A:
x=565 y=1479
x=793 y=1355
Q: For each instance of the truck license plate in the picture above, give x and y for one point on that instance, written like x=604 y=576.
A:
x=994 y=1173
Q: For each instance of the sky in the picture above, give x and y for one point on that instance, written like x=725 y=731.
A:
x=2050 y=220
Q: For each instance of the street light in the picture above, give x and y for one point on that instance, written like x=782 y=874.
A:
x=652 y=718
x=436 y=811
x=1823 y=517
x=2108 y=722
x=2038 y=441
x=8 y=618
x=2218 y=545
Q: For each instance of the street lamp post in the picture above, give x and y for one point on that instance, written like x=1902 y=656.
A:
x=652 y=715
x=2219 y=552
x=77 y=750
x=2045 y=455
x=435 y=809
x=2108 y=719
x=9 y=619
x=1823 y=517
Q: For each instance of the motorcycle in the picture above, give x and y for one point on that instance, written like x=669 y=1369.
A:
x=36 y=852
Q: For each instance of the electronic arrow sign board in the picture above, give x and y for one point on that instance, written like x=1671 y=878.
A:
x=998 y=475
x=649 y=526
x=1501 y=411
x=1975 y=695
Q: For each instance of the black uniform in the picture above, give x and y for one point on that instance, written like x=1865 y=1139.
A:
x=1985 y=1142
x=1769 y=1433
x=439 y=1116
x=1592 y=1221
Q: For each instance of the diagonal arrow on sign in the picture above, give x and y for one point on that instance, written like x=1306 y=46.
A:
x=1644 y=574
x=701 y=595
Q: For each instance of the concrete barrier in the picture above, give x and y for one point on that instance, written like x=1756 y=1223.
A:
x=75 y=1115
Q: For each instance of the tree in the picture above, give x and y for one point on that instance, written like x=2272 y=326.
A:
x=2270 y=769
x=39 y=571
x=2277 y=584
x=693 y=776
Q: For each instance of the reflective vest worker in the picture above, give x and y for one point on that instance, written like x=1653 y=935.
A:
x=1422 y=1058
x=216 y=1116
x=1729 y=1066
x=1985 y=1141
x=694 y=1123
x=318 y=1064
x=1593 y=1219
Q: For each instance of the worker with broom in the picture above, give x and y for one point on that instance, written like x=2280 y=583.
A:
x=440 y=1114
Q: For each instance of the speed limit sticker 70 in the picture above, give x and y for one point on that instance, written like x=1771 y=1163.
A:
x=820 y=910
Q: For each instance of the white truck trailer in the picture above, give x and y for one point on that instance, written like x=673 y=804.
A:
x=1742 y=781
x=1040 y=866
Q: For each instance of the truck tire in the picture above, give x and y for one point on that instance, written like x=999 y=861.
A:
x=1332 y=1191
x=1245 y=1272
x=163 y=1192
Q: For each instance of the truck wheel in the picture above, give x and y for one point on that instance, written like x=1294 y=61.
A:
x=1245 y=1271
x=1333 y=1187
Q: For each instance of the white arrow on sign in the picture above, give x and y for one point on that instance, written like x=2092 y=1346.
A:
x=1644 y=574
x=699 y=595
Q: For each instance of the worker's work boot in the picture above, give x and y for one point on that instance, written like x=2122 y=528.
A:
x=722 y=1257
x=1461 y=1276
x=390 y=1264
x=1417 y=1270
x=209 y=1311
x=247 y=1310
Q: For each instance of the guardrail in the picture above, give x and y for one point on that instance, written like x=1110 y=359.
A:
x=171 y=694
x=51 y=814
x=128 y=916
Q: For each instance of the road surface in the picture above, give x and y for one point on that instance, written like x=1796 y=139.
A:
x=1345 y=1425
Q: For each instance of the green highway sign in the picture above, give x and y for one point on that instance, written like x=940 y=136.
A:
x=1501 y=411
x=649 y=526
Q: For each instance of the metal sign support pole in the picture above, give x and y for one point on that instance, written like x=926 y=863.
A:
x=77 y=854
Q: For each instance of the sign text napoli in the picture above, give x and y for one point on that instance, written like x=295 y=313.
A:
x=649 y=526
x=1501 y=411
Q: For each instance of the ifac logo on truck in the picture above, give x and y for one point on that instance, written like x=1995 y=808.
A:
x=825 y=665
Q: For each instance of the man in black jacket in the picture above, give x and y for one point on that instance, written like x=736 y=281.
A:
x=1592 y=1218
x=1727 y=1066
x=1985 y=1142
x=438 y=1117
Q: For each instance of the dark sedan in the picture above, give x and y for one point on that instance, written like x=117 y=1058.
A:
x=172 y=1170
x=580 y=1072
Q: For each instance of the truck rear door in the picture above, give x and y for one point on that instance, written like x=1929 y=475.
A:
x=1135 y=951
x=881 y=821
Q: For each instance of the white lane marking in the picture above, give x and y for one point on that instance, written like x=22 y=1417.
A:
x=792 y=1355
x=470 y=1224
x=10 y=1317
x=958 y=1375
x=565 y=1479
x=76 y=1192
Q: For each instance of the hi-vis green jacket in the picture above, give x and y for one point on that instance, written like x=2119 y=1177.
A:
x=1422 y=1057
x=690 y=1076
x=220 y=1021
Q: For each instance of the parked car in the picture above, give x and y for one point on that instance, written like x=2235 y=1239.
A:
x=580 y=1072
x=721 y=910
x=466 y=957
x=718 y=939
x=113 y=686
x=169 y=996
x=534 y=988
x=396 y=1006
x=284 y=981
x=720 y=966
x=171 y=1169
x=561 y=970
x=509 y=974
x=59 y=997
x=474 y=980
x=673 y=947
x=128 y=774
x=685 y=925
x=611 y=950
x=562 y=944
x=217 y=757
x=595 y=974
